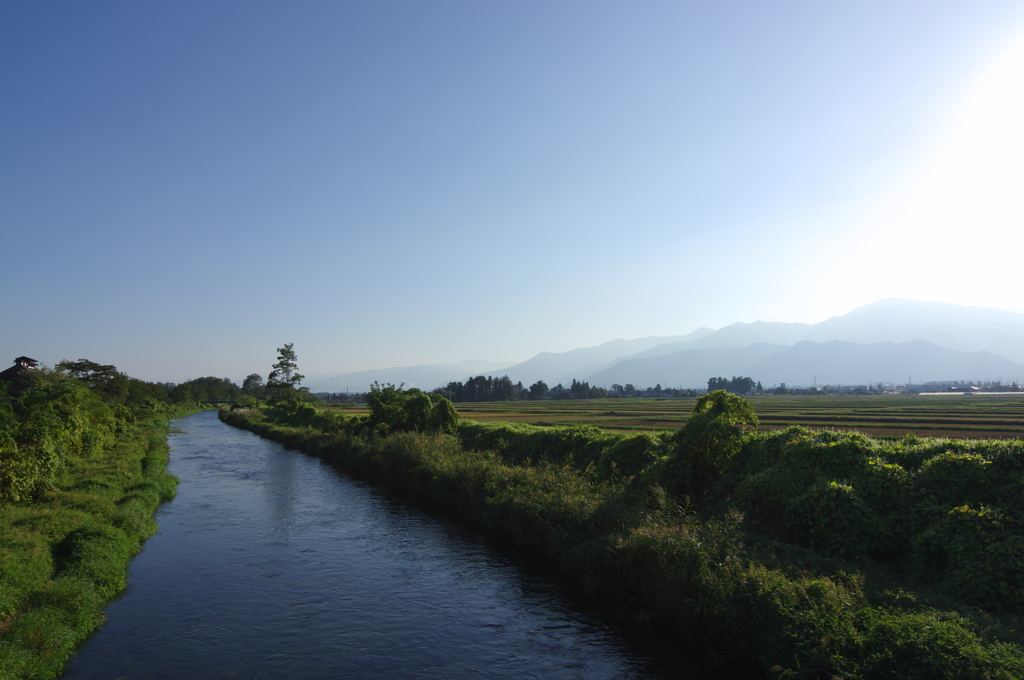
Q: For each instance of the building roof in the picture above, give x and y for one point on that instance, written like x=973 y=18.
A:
x=19 y=376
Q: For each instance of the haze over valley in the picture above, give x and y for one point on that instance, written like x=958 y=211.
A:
x=893 y=341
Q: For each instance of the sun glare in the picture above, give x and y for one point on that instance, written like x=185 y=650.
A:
x=955 y=230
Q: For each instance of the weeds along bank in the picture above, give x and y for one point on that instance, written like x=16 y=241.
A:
x=814 y=554
x=80 y=479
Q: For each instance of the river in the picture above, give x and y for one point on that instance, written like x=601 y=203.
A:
x=273 y=564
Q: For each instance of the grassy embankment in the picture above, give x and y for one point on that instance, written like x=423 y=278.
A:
x=814 y=554
x=79 y=484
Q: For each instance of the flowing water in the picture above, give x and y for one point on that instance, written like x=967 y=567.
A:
x=272 y=564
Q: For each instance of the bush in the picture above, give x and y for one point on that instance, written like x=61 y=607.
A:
x=399 y=410
x=56 y=419
x=706 y=445
x=977 y=556
x=630 y=455
x=953 y=479
x=249 y=402
x=830 y=517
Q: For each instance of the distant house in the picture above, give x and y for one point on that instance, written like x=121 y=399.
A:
x=18 y=375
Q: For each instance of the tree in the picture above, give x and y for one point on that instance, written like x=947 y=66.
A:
x=208 y=389
x=253 y=385
x=103 y=379
x=740 y=385
x=284 y=378
x=538 y=390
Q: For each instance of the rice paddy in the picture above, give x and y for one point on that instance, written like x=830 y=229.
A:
x=971 y=417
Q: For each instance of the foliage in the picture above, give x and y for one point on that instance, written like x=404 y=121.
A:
x=116 y=388
x=736 y=385
x=393 y=409
x=253 y=386
x=482 y=388
x=100 y=378
x=631 y=455
x=284 y=378
x=976 y=556
x=578 y=446
x=707 y=443
x=55 y=420
x=954 y=478
x=832 y=518
x=249 y=402
x=205 y=390
x=538 y=390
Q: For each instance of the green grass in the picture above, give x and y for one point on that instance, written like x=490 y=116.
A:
x=65 y=554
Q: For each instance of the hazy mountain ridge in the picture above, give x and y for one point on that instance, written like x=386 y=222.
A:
x=563 y=367
x=836 y=362
x=968 y=329
x=891 y=340
x=684 y=368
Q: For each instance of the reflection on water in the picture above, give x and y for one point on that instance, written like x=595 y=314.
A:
x=270 y=564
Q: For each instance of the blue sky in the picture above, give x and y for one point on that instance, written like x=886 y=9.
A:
x=186 y=186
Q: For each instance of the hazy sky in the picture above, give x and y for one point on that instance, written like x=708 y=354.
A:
x=186 y=186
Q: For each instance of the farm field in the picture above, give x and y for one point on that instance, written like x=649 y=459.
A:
x=974 y=416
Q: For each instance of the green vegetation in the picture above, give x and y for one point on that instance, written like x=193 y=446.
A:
x=815 y=554
x=489 y=388
x=204 y=390
x=82 y=469
x=740 y=385
x=284 y=378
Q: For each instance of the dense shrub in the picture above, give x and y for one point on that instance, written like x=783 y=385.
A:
x=831 y=518
x=57 y=418
x=954 y=478
x=976 y=556
x=393 y=409
x=707 y=443
x=631 y=455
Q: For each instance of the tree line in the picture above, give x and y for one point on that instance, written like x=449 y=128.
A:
x=75 y=410
x=740 y=385
x=489 y=388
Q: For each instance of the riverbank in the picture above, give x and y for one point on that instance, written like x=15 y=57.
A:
x=271 y=564
x=617 y=514
x=64 y=552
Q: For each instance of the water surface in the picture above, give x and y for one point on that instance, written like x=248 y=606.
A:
x=272 y=564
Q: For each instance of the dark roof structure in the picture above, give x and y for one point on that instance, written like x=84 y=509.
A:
x=18 y=375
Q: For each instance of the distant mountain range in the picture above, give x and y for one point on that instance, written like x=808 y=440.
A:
x=890 y=341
